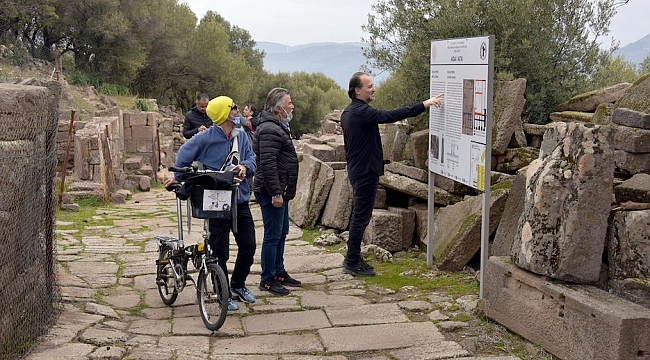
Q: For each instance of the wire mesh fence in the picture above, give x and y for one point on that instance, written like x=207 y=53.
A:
x=30 y=295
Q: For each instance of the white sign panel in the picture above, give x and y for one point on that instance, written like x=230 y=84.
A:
x=457 y=146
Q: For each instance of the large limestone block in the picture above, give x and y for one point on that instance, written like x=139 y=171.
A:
x=571 y=116
x=631 y=139
x=509 y=223
x=589 y=101
x=628 y=248
x=384 y=230
x=407 y=217
x=563 y=227
x=315 y=180
x=338 y=207
x=635 y=189
x=508 y=104
x=420 y=147
x=457 y=234
x=395 y=142
x=24 y=111
x=573 y=322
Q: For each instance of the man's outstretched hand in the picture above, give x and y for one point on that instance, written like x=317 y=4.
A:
x=434 y=101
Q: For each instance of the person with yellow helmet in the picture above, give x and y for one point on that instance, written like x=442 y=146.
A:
x=212 y=148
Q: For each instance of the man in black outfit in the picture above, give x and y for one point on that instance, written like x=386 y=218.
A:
x=365 y=159
x=196 y=120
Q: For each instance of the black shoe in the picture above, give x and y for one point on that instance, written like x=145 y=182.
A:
x=363 y=263
x=358 y=269
x=274 y=288
x=287 y=280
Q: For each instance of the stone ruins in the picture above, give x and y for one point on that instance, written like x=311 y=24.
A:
x=569 y=209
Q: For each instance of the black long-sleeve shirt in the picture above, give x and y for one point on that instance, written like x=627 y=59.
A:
x=360 y=121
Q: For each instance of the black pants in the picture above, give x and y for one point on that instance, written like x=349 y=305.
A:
x=245 y=239
x=364 y=190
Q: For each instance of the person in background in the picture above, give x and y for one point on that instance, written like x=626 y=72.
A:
x=365 y=159
x=250 y=113
x=196 y=120
x=275 y=185
x=212 y=148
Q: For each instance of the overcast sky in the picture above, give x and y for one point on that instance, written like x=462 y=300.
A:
x=295 y=22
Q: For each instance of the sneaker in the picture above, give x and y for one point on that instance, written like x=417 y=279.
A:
x=232 y=306
x=243 y=294
x=363 y=263
x=287 y=280
x=274 y=288
x=358 y=269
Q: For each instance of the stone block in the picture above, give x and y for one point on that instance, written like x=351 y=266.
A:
x=152 y=119
x=339 y=151
x=421 y=221
x=630 y=163
x=452 y=186
x=589 y=101
x=136 y=119
x=573 y=322
x=509 y=224
x=636 y=290
x=407 y=217
x=380 y=198
x=139 y=133
x=628 y=247
x=144 y=147
x=384 y=230
x=563 y=227
x=133 y=163
x=420 y=147
x=338 y=207
x=408 y=171
x=514 y=159
x=630 y=139
x=315 y=180
x=455 y=243
x=24 y=111
x=320 y=151
x=635 y=189
x=631 y=118
x=508 y=104
x=405 y=185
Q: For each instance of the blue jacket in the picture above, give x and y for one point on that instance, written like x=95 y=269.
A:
x=211 y=147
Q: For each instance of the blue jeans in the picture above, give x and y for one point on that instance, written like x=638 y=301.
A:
x=276 y=228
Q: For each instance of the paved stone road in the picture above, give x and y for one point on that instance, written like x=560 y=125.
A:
x=112 y=309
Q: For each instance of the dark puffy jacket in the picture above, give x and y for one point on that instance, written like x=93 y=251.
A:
x=193 y=121
x=277 y=161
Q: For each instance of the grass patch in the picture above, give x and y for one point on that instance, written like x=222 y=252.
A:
x=412 y=270
x=309 y=234
x=84 y=217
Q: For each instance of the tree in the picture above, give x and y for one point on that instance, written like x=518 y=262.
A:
x=644 y=66
x=611 y=71
x=551 y=43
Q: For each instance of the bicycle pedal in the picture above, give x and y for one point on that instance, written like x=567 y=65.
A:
x=162 y=262
x=160 y=282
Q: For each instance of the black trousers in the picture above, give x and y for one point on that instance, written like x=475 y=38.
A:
x=245 y=239
x=364 y=191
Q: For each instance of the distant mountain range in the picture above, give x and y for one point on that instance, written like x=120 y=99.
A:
x=636 y=51
x=337 y=61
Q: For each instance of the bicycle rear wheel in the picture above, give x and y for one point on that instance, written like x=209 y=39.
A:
x=213 y=293
x=165 y=278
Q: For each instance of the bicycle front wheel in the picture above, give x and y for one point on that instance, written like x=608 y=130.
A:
x=165 y=278
x=213 y=293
